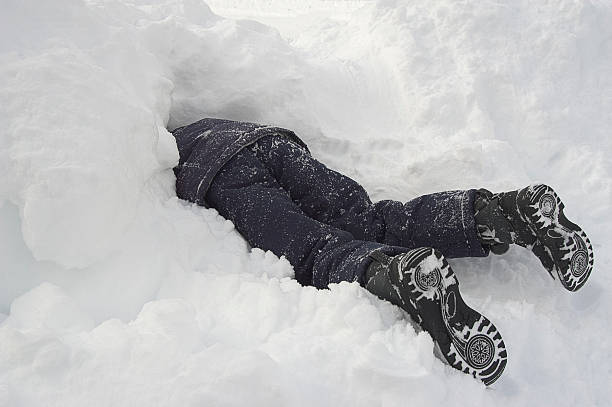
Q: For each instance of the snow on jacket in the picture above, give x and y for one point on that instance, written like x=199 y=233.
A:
x=207 y=145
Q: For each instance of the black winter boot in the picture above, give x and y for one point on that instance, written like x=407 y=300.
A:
x=533 y=218
x=422 y=283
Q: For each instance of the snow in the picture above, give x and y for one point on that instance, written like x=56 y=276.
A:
x=114 y=292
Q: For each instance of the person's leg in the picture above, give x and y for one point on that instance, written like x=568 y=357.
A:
x=443 y=220
x=532 y=217
x=246 y=193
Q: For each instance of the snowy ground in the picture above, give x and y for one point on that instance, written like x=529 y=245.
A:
x=115 y=293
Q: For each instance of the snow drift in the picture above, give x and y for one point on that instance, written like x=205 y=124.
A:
x=114 y=292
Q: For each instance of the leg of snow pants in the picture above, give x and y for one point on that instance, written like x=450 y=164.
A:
x=246 y=192
x=443 y=220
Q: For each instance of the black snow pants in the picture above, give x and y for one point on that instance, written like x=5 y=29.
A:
x=283 y=200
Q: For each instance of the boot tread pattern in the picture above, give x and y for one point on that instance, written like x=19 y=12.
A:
x=467 y=340
x=568 y=246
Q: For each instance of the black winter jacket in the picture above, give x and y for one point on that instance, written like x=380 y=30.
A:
x=207 y=145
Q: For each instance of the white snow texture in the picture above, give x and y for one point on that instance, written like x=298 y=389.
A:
x=113 y=292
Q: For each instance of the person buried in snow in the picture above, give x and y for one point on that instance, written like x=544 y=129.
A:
x=281 y=199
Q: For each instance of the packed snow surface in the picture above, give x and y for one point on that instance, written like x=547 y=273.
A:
x=113 y=292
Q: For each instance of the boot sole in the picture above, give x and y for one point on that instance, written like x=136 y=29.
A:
x=468 y=341
x=565 y=242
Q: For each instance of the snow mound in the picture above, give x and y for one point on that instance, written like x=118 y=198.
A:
x=115 y=292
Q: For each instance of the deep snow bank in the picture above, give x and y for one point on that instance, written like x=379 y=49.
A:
x=114 y=292
x=84 y=107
